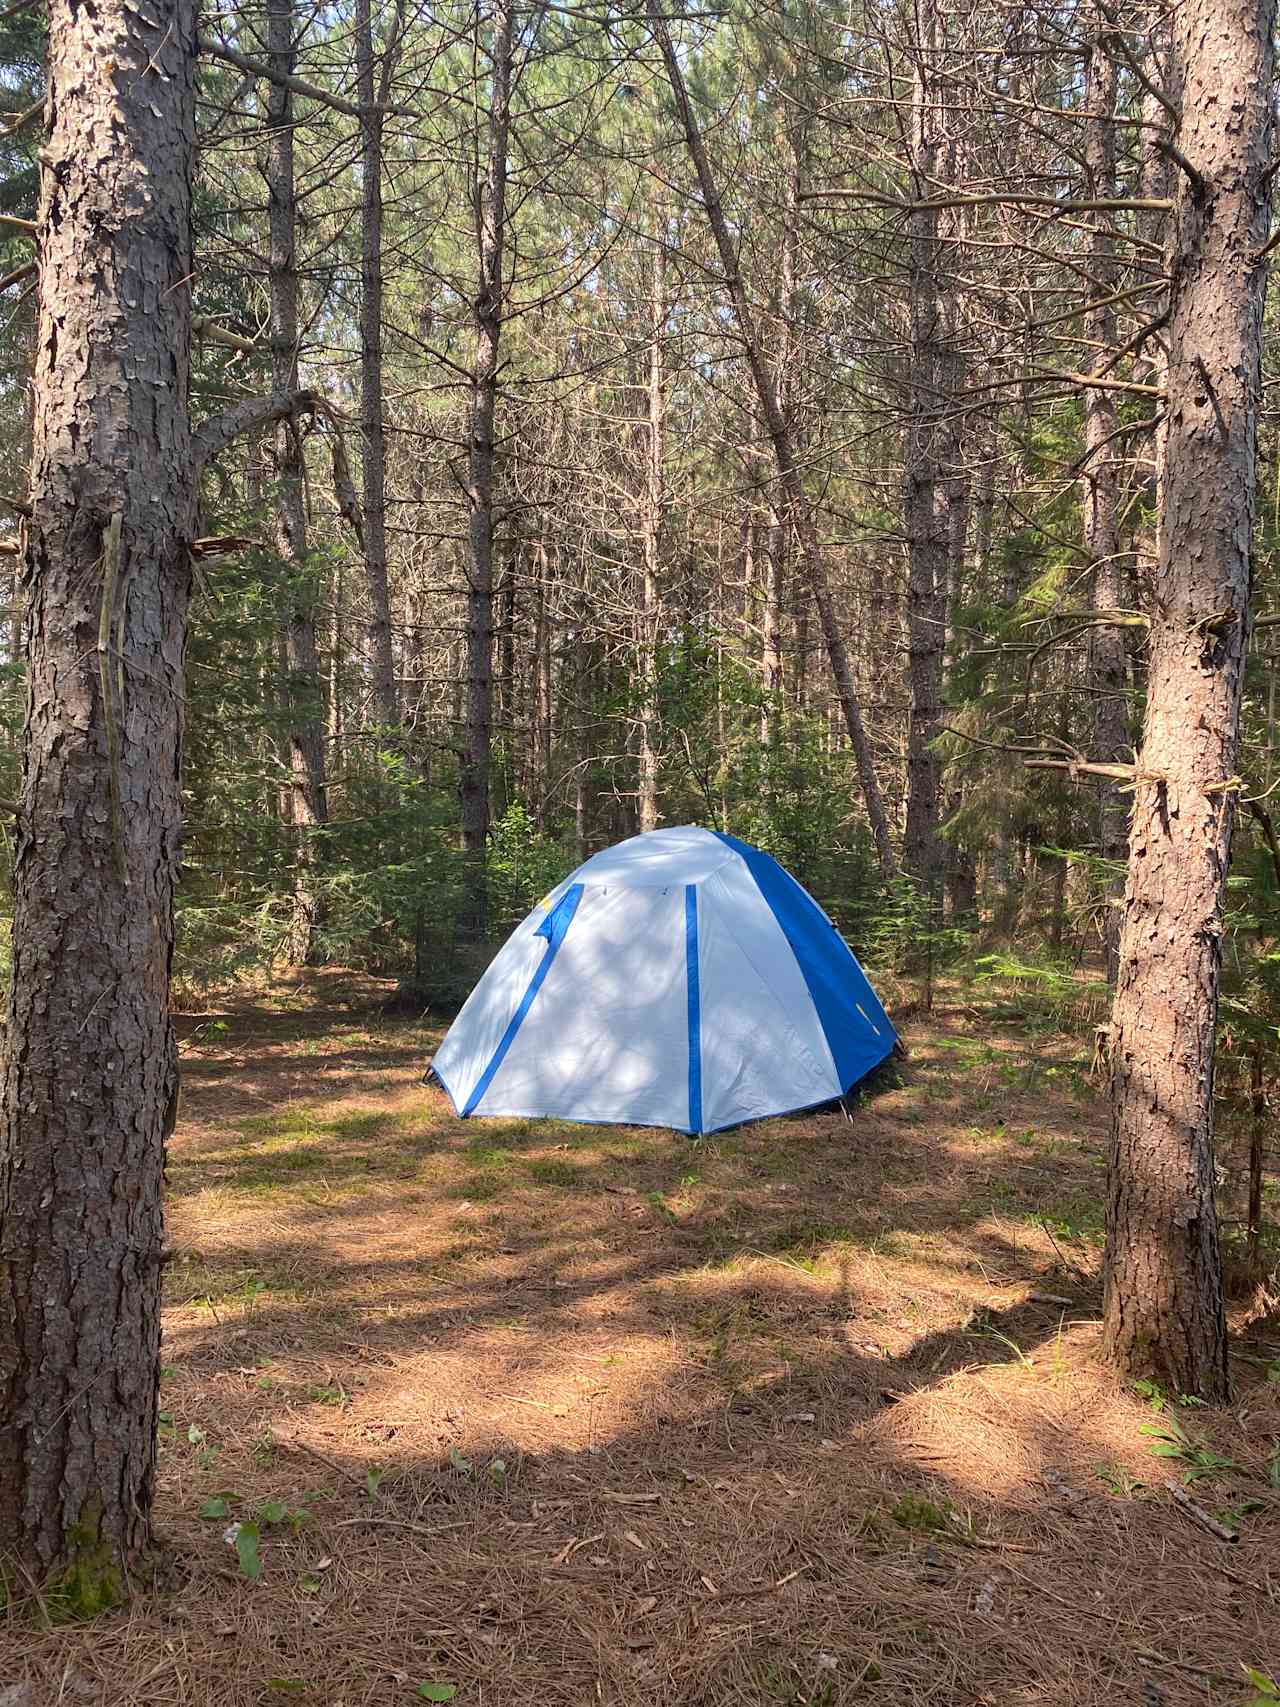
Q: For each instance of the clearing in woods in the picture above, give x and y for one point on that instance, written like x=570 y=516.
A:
x=532 y=1413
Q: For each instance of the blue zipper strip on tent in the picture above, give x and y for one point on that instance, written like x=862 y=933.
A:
x=859 y=1033
x=695 y=1006
x=554 y=928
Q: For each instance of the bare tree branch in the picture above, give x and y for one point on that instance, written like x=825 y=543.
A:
x=284 y=80
x=249 y=413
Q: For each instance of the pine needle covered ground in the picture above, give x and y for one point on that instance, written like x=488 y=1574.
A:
x=529 y=1414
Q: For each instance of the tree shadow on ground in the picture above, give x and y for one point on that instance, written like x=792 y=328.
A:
x=768 y=1419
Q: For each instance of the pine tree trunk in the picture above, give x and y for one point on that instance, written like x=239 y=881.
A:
x=1100 y=490
x=1163 y=1304
x=783 y=448
x=373 y=450
x=91 y=1078
x=542 y=688
x=655 y=499
x=924 y=497
x=491 y=231
x=307 y=765
x=778 y=532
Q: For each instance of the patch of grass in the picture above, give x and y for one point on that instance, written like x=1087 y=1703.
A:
x=553 y=1171
x=363 y=1123
x=1081 y=1220
x=490 y=1157
x=476 y=1188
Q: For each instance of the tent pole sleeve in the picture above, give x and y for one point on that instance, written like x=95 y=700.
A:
x=695 y=1006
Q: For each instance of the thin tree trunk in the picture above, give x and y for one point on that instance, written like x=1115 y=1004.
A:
x=306 y=732
x=491 y=221
x=924 y=495
x=783 y=450
x=373 y=451
x=542 y=697
x=655 y=500
x=1257 y=1144
x=1100 y=489
x=91 y=1081
x=777 y=536
x=1163 y=1303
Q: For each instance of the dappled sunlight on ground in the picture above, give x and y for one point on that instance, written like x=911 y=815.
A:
x=808 y=1412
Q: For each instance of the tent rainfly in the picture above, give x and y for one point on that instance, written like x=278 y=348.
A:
x=681 y=979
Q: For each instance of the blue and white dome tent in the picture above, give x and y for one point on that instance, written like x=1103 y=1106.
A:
x=681 y=979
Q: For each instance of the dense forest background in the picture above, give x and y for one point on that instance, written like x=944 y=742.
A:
x=749 y=419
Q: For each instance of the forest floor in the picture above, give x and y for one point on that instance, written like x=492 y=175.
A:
x=543 y=1414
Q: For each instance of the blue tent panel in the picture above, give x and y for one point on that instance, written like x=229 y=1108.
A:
x=695 y=1006
x=858 y=1031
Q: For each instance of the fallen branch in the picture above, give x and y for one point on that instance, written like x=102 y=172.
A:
x=1195 y=1511
x=429 y=1530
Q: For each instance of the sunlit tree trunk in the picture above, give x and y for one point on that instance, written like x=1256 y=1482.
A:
x=1163 y=1304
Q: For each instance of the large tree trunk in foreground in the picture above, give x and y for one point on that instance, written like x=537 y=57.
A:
x=1163 y=1311
x=491 y=223
x=307 y=759
x=91 y=1076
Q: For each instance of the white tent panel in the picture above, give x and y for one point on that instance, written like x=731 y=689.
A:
x=763 y=1047
x=660 y=860
x=606 y=1038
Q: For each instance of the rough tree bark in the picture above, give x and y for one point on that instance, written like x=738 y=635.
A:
x=307 y=764
x=91 y=1080
x=491 y=221
x=789 y=475
x=1163 y=1304
x=373 y=450
x=1100 y=485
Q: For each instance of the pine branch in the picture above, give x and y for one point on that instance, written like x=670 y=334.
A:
x=246 y=416
x=203 y=327
x=285 y=80
x=998 y=198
